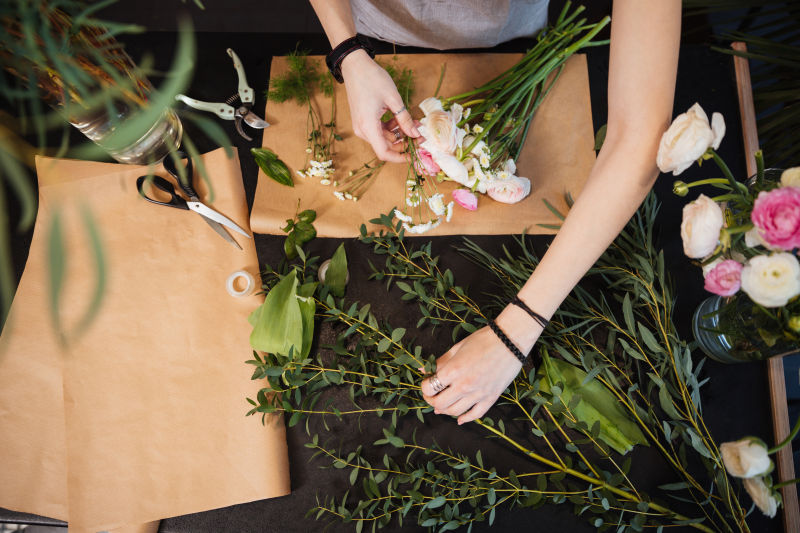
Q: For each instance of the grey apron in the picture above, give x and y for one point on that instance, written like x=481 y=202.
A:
x=447 y=24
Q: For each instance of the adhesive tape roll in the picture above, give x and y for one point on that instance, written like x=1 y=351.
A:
x=250 y=283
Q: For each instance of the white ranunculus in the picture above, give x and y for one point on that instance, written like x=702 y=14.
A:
x=451 y=166
x=688 y=138
x=510 y=190
x=771 y=280
x=762 y=495
x=702 y=221
x=746 y=458
x=791 y=177
x=430 y=105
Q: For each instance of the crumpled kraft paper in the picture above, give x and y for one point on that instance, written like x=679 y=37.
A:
x=142 y=417
x=557 y=157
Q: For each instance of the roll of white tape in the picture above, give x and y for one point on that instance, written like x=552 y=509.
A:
x=249 y=281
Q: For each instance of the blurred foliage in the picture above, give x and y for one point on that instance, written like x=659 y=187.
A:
x=771 y=31
x=58 y=61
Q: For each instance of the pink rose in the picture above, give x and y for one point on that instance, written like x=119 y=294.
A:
x=465 y=199
x=725 y=279
x=424 y=163
x=510 y=190
x=776 y=214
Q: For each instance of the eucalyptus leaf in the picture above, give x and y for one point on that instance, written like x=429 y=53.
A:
x=272 y=166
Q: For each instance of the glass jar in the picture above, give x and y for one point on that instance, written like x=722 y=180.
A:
x=731 y=330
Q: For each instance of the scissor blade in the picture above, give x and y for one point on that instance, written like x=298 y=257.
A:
x=222 y=233
x=209 y=213
x=254 y=121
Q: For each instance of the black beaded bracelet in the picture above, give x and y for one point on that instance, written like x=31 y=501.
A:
x=510 y=345
x=542 y=321
x=336 y=56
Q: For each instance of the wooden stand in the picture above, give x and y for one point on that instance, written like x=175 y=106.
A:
x=784 y=470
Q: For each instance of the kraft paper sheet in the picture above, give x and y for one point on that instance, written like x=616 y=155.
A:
x=142 y=417
x=557 y=157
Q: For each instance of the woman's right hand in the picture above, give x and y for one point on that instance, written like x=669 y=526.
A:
x=370 y=93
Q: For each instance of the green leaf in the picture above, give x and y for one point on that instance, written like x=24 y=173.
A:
x=309 y=215
x=597 y=404
x=600 y=137
x=436 y=502
x=290 y=246
x=336 y=275
x=279 y=322
x=304 y=232
x=665 y=400
x=273 y=167
x=397 y=334
x=307 y=309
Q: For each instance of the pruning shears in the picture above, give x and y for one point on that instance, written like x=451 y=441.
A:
x=243 y=99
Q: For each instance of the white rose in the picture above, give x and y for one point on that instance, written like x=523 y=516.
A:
x=762 y=495
x=702 y=221
x=746 y=458
x=510 y=190
x=791 y=177
x=688 y=138
x=771 y=280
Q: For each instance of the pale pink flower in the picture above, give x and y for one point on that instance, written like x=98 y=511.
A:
x=510 y=190
x=465 y=199
x=725 y=278
x=424 y=163
x=776 y=214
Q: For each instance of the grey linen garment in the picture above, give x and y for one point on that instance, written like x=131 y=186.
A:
x=447 y=24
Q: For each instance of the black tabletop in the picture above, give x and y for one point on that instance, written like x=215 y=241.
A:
x=735 y=400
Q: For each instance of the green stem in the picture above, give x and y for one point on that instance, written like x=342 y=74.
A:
x=786 y=483
x=589 y=479
x=728 y=174
x=788 y=439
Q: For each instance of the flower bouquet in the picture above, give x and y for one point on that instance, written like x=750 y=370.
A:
x=746 y=240
x=474 y=138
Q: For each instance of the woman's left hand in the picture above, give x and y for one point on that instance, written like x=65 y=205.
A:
x=477 y=370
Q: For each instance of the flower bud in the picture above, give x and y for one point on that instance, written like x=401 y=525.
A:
x=794 y=323
x=746 y=458
x=680 y=188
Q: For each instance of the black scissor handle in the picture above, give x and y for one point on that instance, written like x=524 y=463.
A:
x=186 y=183
x=163 y=185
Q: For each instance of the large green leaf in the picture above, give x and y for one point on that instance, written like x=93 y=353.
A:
x=597 y=404
x=278 y=323
x=336 y=275
x=307 y=309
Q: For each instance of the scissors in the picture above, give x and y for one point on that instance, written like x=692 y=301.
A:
x=212 y=218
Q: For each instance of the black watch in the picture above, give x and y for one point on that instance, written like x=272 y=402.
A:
x=335 y=57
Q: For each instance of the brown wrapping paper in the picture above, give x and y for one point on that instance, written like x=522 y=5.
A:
x=557 y=157
x=142 y=417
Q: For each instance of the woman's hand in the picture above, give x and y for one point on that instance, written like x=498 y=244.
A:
x=370 y=93
x=478 y=369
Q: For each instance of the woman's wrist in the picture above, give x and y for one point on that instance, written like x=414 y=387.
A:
x=355 y=61
x=519 y=327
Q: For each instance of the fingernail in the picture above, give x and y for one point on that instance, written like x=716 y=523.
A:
x=414 y=131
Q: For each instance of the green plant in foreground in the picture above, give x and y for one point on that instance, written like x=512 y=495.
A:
x=622 y=340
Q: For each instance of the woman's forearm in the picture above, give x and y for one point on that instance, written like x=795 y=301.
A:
x=645 y=37
x=336 y=19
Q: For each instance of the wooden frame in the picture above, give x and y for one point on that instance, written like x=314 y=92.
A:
x=784 y=470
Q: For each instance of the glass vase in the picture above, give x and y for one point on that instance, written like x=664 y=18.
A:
x=150 y=148
x=729 y=331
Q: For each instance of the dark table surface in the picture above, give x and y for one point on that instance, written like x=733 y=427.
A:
x=735 y=401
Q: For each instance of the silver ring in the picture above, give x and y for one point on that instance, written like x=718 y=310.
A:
x=436 y=384
x=399 y=110
x=398 y=134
